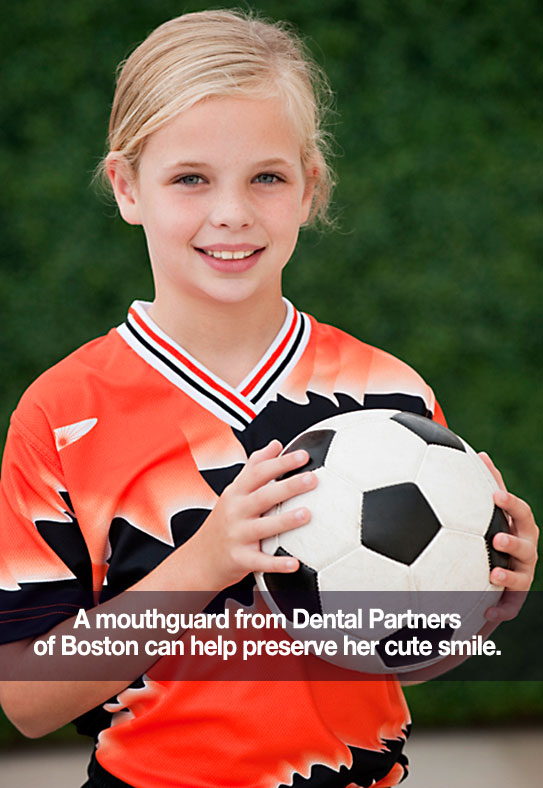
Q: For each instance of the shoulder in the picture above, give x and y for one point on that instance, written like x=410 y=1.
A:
x=59 y=394
x=380 y=364
x=381 y=374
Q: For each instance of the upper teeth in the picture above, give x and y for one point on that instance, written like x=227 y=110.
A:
x=230 y=255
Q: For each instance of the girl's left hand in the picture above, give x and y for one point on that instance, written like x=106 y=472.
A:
x=520 y=544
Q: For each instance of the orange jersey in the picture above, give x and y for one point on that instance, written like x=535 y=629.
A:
x=114 y=458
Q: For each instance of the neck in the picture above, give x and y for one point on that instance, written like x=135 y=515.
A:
x=228 y=339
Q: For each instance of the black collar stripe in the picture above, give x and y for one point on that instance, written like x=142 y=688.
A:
x=296 y=349
x=237 y=406
x=187 y=383
x=184 y=362
x=273 y=355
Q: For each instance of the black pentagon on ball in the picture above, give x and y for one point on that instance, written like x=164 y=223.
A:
x=498 y=524
x=291 y=590
x=429 y=431
x=398 y=522
x=317 y=444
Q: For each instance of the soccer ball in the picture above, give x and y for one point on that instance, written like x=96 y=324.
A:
x=403 y=509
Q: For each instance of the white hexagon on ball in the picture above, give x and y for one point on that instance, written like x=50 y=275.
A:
x=395 y=456
x=364 y=570
x=452 y=561
x=363 y=573
x=442 y=473
x=334 y=528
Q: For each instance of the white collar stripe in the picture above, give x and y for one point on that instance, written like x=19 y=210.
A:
x=274 y=354
x=291 y=355
x=193 y=373
x=138 y=312
x=235 y=415
x=237 y=406
x=237 y=420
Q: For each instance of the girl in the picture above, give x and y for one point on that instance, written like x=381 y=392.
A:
x=143 y=460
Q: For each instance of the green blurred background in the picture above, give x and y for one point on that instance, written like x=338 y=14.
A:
x=436 y=256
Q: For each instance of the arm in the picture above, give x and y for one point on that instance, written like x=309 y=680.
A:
x=223 y=551
x=521 y=544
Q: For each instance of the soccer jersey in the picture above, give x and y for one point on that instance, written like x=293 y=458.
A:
x=114 y=458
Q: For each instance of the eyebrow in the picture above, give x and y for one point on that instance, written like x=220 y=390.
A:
x=191 y=164
x=196 y=165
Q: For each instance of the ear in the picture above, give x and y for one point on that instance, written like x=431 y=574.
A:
x=311 y=177
x=124 y=187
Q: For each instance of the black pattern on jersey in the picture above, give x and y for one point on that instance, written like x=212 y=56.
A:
x=219 y=478
x=92 y=722
x=285 y=419
x=134 y=553
x=68 y=543
x=21 y=617
x=398 y=401
x=368 y=768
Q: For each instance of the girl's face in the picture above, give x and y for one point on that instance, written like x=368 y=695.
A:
x=221 y=194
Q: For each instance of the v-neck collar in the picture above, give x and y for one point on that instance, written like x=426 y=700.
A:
x=239 y=405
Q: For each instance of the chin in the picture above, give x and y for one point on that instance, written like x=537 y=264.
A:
x=233 y=293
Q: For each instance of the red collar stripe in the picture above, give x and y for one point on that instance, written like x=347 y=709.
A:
x=237 y=406
x=198 y=373
x=273 y=358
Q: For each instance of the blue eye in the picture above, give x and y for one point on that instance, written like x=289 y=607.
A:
x=190 y=180
x=268 y=178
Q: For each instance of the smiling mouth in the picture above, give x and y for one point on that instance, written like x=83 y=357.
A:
x=227 y=255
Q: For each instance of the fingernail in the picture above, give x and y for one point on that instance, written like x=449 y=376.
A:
x=300 y=456
x=307 y=479
x=500 y=575
x=500 y=497
x=290 y=564
x=301 y=514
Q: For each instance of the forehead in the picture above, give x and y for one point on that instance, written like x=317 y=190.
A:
x=227 y=129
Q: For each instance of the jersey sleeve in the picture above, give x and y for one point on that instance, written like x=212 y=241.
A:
x=438 y=414
x=45 y=568
x=391 y=383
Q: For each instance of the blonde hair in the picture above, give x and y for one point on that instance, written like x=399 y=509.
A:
x=221 y=53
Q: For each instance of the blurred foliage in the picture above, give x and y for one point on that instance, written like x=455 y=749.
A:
x=436 y=258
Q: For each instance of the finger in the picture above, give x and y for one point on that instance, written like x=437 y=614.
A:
x=493 y=470
x=270 y=563
x=508 y=578
x=273 y=524
x=507 y=608
x=262 y=562
x=520 y=512
x=500 y=613
x=244 y=481
x=271 y=449
x=521 y=549
x=269 y=496
x=267 y=471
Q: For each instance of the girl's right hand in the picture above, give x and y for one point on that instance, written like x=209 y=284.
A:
x=229 y=539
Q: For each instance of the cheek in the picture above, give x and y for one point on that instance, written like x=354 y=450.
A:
x=288 y=216
x=172 y=221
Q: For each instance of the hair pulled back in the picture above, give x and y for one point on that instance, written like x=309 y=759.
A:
x=221 y=53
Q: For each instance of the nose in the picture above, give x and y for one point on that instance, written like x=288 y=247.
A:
x=232 y=209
